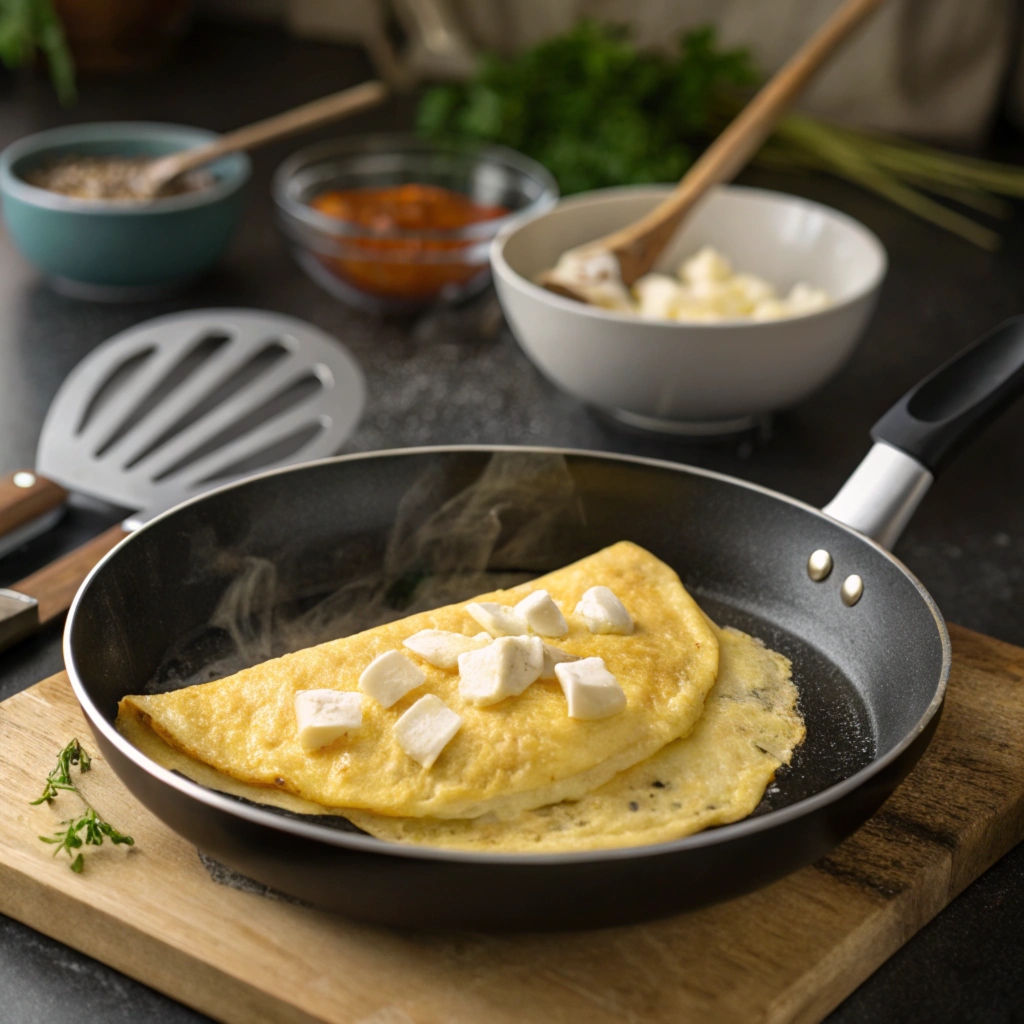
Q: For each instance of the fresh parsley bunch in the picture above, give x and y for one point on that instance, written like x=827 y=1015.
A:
x=591 y=107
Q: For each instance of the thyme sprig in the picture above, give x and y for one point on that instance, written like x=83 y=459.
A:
x=60 y=777
x=88 y=828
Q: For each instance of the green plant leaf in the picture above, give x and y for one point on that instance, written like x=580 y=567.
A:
x=31 y=26
x=94 y=827
x=590 y=106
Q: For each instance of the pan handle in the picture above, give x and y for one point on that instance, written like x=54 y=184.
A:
x=926 y=428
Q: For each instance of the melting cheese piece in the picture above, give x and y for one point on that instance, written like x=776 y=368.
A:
x=603 y=612
x=591 y=690
x=426 y=729
x=322 y=716
x=389 y=677
x=440 y=648
x=555 y=656
x=541 y=614
x=505 y=668
x=497 y=619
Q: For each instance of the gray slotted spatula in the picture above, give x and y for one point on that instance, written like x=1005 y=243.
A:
x=164 y=411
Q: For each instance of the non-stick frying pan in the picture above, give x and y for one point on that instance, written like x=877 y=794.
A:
x=870 y=652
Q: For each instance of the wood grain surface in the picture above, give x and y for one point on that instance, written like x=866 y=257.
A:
x=791 y=952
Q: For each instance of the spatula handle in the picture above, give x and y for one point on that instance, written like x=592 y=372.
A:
x=47 y=594
x=24 y=496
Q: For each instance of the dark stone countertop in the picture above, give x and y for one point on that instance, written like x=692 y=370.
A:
x=455 y=377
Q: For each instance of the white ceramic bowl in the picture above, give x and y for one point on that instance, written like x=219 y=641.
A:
x=700 y=378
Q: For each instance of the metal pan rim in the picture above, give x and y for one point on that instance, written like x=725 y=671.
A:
x=367 y=844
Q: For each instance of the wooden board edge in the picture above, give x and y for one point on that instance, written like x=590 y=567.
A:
x=139 y=954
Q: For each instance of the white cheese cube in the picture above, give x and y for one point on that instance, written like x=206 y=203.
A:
x=503 y=669
x=426 y=729
x=497 y=619
x=441 y=649
x=555 y=656
x=754 y=289
x=541 y=614
x=804 y=298
x=324 y=715
x=595 y=275
x=603 y=612
x=389 y=677
x=706 y=265
x=657 y=296
x=584 y=267
x=591 y=690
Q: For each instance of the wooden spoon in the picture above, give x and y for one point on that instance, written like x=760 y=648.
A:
x=160 y=173
x=635 y=248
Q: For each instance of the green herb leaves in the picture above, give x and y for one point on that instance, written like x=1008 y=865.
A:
x=591 y=107
x=88 y=829
x=598 y=112
x=30 y=25
x=60 y=777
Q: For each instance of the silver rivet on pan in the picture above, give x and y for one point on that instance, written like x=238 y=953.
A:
x=851 y=590
x=24 y=479
x=819 y=565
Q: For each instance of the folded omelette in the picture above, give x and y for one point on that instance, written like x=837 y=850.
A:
x=717 y=774
x=506 y=759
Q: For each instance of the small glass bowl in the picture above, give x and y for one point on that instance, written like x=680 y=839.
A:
x=400 y=271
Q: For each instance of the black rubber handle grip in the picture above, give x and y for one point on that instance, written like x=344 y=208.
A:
x=945 y=411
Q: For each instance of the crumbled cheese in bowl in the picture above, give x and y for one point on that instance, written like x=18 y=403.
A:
x=707 y=289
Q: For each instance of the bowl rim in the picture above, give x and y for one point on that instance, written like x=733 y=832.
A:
x=504 y=271
x=384 y=142
x=97 y=131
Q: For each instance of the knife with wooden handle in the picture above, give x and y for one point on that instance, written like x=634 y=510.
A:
x=29 y=505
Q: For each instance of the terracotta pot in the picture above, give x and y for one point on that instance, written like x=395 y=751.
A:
x=114 y=36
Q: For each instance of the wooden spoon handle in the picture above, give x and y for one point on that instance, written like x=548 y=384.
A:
x=639 y=245
x=329 y=108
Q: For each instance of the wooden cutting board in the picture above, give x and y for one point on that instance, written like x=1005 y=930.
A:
x=791 y=952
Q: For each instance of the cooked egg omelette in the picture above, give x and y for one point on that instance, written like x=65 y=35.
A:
x=716 y=775
x=521 y=753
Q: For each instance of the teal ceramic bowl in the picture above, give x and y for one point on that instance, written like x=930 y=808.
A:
x=106 y=250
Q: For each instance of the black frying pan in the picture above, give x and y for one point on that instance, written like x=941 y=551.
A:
x=871 y=672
